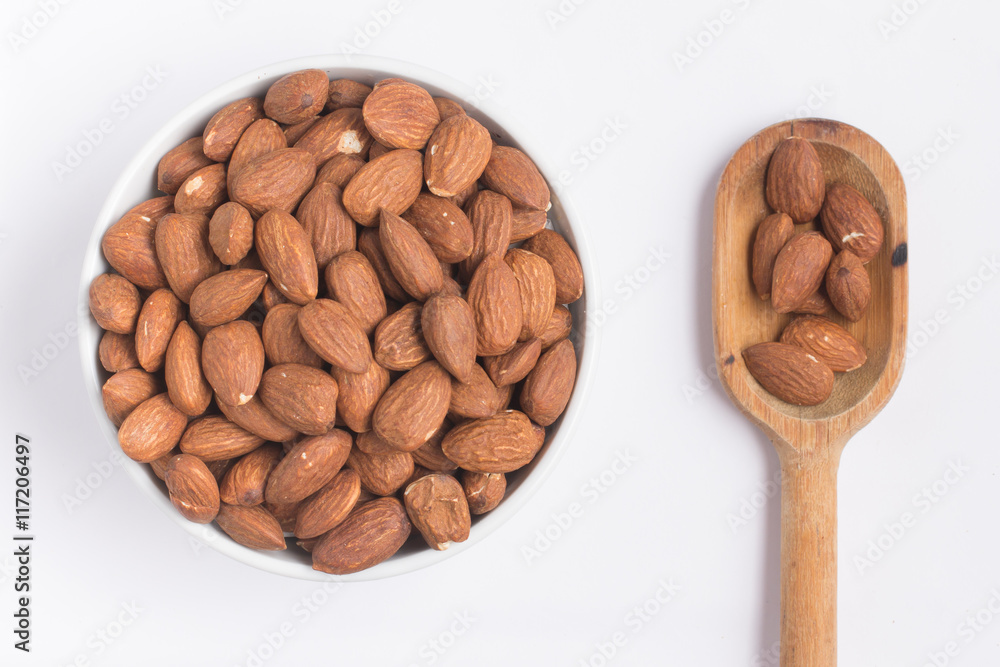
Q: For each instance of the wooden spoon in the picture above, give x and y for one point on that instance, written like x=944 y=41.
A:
x=809 y=440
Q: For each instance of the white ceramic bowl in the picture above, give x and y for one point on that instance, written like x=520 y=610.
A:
x=137 y=183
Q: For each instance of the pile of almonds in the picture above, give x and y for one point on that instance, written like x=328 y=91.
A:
x=792 y=269
x=346 y=317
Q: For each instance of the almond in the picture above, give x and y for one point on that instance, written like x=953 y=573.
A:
x=342 y=131
x=816 y=304
x=548 y=387
x=382 y=474
x=339 y=170
x=202 y=192
x=179 y=163
x=287 y=255
x=827 y=341
x=496 y=304
x=192 y=488
x=371 y=248
x=391 y=182
x=129 y=246
x=283 y=342
x=252 y=527
x=152 y=429
x=114 y=303
x=799 y=270
x=297 y=96
x=525 y=223
x=232 y=358
x=351 y=280
x=303 y=397
x=502 y=442
x=117 y=352
x=559 y=327
x=447 y=108
x=230 y=232
x=476 y=398
x=296 y=131
x=346 y=93
x=456 y=155
x=328 y=507
x=154 y=208
x=215 y=438
x=185 y=253
x=160 y=315
x=490 y=217
x=244 y=482
x=429 y=454
x=330 y=228
x=413 y=407
x=399 y=340
x=483 y=491
x=512 y=367
x=449 y=330
x=262 y=137
x=225 y=296
x=537 y=285
x=553 y=248
x=848 y=285
x=437 y=508
x=443 y=225
x=851 y=222
x=275 y=181
x=308 y=466
x=795 y=182
x=285 y=514
x=254 y=417
x=512 y=173
x=226 y=127
x=358 y=394
x=789 y=372
x=400 y=114
x=410 y=258
x=124 y=391
x=772 y=235
x=371 y=533
x=187 y=387
x=330 y=329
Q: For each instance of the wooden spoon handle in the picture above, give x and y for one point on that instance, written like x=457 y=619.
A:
x=809 y=558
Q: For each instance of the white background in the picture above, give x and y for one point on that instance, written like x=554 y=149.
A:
x=928 y=88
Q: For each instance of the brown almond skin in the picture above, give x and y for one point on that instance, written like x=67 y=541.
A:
x=252 y=527
x=342 y=131
x=232 y=358
x=512 y=367
x=283 y=342
x=371 y=533
x=537 y=285
x=443 y=225
x=382 y=474
x=114 y=303
x=566 y=268
x=330 y=329
x=369 y=442
x=330 y=228
x=449 y=329
x=230 y=232
x=391 y=182
x=303 y=397
x=215 y=438
x=502 y=442
x=285 y=514
x=413 y=407
x=308 y=466
x=158 y=318
x=448 y=107
x=226 y=296
x=795 y=182
x=351 y=280
x=347 y=93
x=848 y=285
x=437 y=507
x=512 y=173
x=152 y=429
x=358 y=394
x=496 y=304
x=295 y=132
x=400 y=114
x=827 y=341
x=187 y=387
x=548 y=387
x=226 y=127
x=817 y=304
x=297 y=96
x=851 y=222
x=262 y=137
x=286 y=253
x=159 y=466
x=254 y=417
x=185 y=253
x=399 y=340
x=329 y=506
x=124 y=391
x=192 y=488
x=476 y=398
x=129 y=245
x=525 y=223
x=483 y=491
x=490 y=215
x=117 y=352
x=772 y=235
x=370 y=246
x=457 y=153
x=339 y=170
x=243 y=484
x=275 y=181
x=429 y=454
x=560 y=325
x=203 y=191
x=179 y=163
x=410 y=258
x=789 y=372
x=154 y=208
x=799 y=270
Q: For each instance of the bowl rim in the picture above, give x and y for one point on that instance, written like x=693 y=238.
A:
x=586 y=335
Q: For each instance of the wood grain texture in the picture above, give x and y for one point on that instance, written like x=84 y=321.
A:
x=809 y=440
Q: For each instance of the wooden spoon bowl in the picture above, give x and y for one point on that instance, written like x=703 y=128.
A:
x=809 y=440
